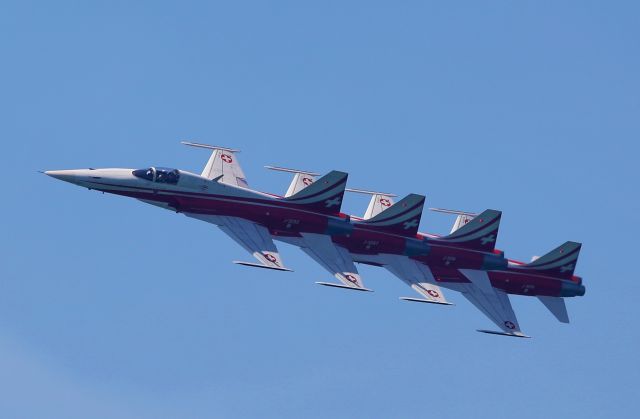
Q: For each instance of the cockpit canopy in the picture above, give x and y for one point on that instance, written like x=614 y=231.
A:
x=158 y=174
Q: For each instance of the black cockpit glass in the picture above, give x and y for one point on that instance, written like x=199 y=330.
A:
x=148 y=174
x=158 y=174
x=164 y=175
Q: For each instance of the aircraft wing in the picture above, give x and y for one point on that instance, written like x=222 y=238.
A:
x=301 y=179
x=418 y=277
x=222 y=165
x=334 y=259
x=494 y=303
x=379 y=202
x=255 y=238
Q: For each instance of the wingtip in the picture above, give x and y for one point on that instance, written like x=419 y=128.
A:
x=494 y=332
x=424 y=300
x=259 y=265
x=331 y=284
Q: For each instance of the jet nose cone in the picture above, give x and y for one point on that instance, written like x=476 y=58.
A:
x=66 y=175
x=77 y=177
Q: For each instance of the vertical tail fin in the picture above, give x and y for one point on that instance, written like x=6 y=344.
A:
x=324 y=195
x=559 y=263
x=402 y=218
x=480 y=233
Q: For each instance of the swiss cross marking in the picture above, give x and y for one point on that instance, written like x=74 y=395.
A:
x=488 y=239
x=509 y=325
x=307 y=181
x=408 y=224
x=566 y=268
x=448 y=260
x=385 y=202
x=226 y=158
x=433 y=293
x=331 y=202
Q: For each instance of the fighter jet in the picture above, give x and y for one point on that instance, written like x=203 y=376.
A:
x=465 y=260
x=550 y=278
x=309 y=216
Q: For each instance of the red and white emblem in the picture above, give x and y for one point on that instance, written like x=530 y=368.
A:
x=385 y=202
x=307 y=181
x=351 y=278
x=509 y=325
x=433 y=293
x=270 y=258
x=226 y=158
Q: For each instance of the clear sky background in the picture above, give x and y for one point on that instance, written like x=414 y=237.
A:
x=113 y=309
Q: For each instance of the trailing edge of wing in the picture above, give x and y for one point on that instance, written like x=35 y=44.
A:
x=333 y=258
x=494 y=303
x=254 y=238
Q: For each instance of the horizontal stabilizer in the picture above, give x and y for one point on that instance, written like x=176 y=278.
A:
x=324 y=195
x=424 y=300
x=480 y=233
x=557 y=307
x=402 y=218
x=513 y=335
x=331 y=284
x=259 y=265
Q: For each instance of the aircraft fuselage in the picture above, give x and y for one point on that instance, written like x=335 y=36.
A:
x=194 y=194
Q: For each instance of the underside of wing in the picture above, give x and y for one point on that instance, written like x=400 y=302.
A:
x=334 y=259
x=494 y=303
x=255 y=238
x=418 y=277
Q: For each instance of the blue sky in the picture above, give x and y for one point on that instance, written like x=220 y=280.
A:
x=110 y=308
